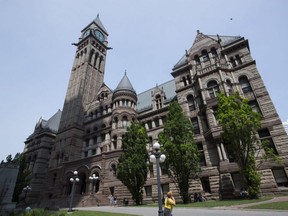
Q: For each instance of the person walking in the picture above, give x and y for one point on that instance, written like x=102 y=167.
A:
x=168 y=204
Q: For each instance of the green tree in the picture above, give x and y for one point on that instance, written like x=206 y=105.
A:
x=132 y=167
x=240 y=126
x=23 y=178
x=182 y=158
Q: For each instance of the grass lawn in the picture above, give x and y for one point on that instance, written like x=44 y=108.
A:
x=275 y=206
x=92 y=213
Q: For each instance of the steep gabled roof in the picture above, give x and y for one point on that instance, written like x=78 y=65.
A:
x=223 y=40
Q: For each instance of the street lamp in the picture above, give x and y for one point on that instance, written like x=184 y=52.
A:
x=157 y=157
x=94 y=179
x=26 y=190
x=73 y=179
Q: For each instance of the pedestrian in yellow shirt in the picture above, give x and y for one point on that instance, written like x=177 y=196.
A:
x=169 y=203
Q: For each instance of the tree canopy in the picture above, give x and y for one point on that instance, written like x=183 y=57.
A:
x=182 y=158
x=132 y=168
x=240 y=126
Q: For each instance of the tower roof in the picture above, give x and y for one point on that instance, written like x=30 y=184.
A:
x=125 y=84
x=98 y=22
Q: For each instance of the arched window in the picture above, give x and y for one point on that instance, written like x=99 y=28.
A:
x=124 y=121
x=205 y=55
x=213 y=88
x=245 y=85
x=191 y=103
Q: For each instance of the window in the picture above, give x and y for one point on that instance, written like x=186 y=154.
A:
x=158 y=101
x=191 y=103
x=229 y=85
x=214 y=109
x=214 y=52
x=195 y=125
x=86 y=154
x=201 y=154
x=254 y=105
x=156 y=122
x=245 y=85
x=205 y=184
x=87 y=142
x=238 y=60
x=213 y=88
x=91 y=55
x=230 y=152
x=114 y=142
x=205 y=55
x=267 y=141
x=165 y=188
x=280 y=177
x=197 y=60
x=124 y=121
x=233 y=62
x=94 y=152
x=113 y=169
x=103 y=137
x=148 y=191
x=95 y=140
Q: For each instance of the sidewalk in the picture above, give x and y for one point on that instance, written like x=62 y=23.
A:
x=275 y=199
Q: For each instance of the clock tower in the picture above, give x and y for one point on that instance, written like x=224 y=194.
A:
x=86 y=78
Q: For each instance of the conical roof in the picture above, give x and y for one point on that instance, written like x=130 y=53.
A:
x=125 y=84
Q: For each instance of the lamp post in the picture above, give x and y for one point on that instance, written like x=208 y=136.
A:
x=26 y=190
x=157 y=157
x=73 y=179
x=94 y=179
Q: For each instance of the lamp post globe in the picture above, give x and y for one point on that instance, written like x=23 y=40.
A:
x=157 y=157
x=93 y=179
x=73 y=180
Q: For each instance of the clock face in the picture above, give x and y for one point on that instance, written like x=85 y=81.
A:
x=99 y=35
x=86 y=33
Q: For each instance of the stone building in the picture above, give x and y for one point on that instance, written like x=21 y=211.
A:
x=88 y=136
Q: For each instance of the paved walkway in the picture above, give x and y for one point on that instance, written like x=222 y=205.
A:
x=236 y=210
x=275 y=199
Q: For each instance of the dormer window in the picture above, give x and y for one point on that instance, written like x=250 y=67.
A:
x=158 y=101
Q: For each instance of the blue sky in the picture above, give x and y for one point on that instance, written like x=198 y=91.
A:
x=148 y=38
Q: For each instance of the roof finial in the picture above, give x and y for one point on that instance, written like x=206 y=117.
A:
x=98 y=15
x=125 y=73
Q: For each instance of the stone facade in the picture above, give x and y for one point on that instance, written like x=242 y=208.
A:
x=94 y=119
